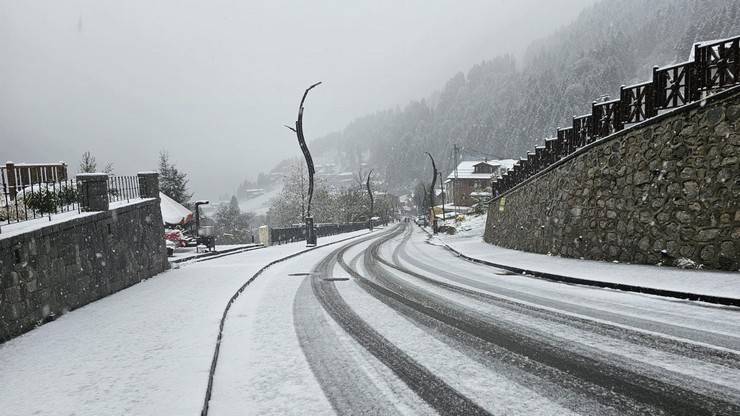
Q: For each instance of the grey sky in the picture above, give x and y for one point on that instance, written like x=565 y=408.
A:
x=214 y=81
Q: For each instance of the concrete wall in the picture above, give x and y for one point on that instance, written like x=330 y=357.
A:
x=654 y=193
x=60 y=267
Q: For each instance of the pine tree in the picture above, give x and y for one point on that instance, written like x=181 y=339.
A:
x=172 y=182
x=504 y=106
x=88 y=163
x=232 y=225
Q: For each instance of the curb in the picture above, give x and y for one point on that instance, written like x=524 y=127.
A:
x=222 y=322
x=199 y=257
x=719 y=300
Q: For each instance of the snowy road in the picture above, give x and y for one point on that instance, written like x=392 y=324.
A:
x=387 y=324
x=381 y=324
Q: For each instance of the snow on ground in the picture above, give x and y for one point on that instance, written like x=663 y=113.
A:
x=145 y=350
x=259 y=204
x=469 y=241
x=595 y=342
x=182 y=253
x=261 y=362
x=487 y=388
x=10 y=230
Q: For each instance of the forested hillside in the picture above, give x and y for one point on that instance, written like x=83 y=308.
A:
x=502 y=107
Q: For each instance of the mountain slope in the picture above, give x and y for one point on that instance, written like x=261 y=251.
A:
x=501 y=108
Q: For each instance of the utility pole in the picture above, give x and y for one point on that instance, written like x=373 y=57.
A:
x=456 y=149
x=298 y=130
x=431 y=193
x=444 y=199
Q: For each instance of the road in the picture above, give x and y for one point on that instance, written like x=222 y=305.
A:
x=380 y=323
x=387 y=324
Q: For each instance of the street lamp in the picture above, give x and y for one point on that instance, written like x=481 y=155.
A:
x=372 y=202
x=444 y=199
x=431 y=193
x=298 y=130
x=204 y=234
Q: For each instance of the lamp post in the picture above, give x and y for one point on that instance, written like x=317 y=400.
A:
x=298 y=130
x=431 y=193
x=444 y=199
x=372 y=202
x=198 y=236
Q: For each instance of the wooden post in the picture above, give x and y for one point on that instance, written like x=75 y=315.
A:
x=10 y=173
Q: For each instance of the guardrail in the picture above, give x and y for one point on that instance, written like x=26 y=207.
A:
x=298 y=232
x=31 y=191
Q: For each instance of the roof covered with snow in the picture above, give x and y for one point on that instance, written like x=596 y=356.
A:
x=466 y=168
x=173 y=213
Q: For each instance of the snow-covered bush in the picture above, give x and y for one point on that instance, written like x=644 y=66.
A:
x=50 y=198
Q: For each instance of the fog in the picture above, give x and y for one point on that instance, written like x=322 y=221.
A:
x=213 y=81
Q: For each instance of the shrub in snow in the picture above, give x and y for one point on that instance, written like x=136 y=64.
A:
x=46 y=198
x=685 y=263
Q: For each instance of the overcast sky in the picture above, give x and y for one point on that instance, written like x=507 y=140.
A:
x=214 y=81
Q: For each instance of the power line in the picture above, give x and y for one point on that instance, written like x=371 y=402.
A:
x=480 y=152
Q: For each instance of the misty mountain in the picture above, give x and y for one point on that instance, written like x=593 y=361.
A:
x=502 y=107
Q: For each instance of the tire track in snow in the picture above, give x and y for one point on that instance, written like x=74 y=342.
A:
x=433 y=390
x=662 y=397
x=555 y=386
x=715 y=370
x=672 y=345
x=219 y=338
x=347 y=388
x=725 y=340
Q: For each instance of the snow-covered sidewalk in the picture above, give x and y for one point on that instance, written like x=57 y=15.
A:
x=183 y=254
x=145 y=350
x=710 y=283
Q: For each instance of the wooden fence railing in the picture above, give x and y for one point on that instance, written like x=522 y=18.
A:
x=16 y=176
x=714 y=66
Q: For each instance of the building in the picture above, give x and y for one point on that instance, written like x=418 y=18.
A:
x=473 y=176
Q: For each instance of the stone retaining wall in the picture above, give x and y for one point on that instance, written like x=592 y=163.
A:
x=60 y=267
x=659 y=192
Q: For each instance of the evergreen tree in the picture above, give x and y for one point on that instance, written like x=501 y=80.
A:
x=504 y=107
x=88 y=163
x=232 y=225
x=172 y=182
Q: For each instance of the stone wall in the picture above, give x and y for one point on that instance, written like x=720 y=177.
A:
x=60 y=267
x=658 y=192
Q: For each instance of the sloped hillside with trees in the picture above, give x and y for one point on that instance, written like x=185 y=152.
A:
x=502 y=107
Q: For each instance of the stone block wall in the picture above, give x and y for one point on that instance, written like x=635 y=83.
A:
x=658 y=192
x=60 y=267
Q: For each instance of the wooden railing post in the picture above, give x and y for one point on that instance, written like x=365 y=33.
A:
x=10 y=174
x=658 y=90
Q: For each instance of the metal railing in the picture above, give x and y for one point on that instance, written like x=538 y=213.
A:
x=32 y=191
x=297 y=232
x=23 y=201
x=714 y=67
x=123 y=188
